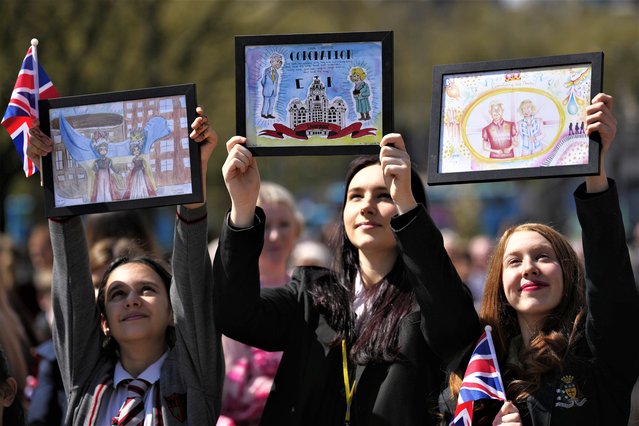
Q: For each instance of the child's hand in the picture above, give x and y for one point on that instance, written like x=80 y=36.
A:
x=508 y=415
x=395 y=163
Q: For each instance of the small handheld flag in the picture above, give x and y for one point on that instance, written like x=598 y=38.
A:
x=23 y=105
x=482 y=380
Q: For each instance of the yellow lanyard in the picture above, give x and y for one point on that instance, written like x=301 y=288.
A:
x=347 y=384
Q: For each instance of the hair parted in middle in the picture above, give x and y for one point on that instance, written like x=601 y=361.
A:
x=393 y=298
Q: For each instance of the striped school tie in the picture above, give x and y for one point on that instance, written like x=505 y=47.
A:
x=132 y=412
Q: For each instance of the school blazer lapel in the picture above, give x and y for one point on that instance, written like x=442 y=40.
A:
x=540 y=405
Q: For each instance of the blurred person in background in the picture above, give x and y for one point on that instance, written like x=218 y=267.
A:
x=15 y=342
x=41 y=259
x=458 y=253
x=130 y=224
x=19 y=284
x=480 y=248
x=11 y=410
x=311 y=253
x=16 y=332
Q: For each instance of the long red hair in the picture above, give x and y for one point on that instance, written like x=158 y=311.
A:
x=559 y=330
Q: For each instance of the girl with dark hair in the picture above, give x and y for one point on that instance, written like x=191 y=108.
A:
x=368 y=343
x=564 y=336
x=11 y=411
x=148 y=352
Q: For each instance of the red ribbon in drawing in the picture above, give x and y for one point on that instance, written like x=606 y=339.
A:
x=354 y=130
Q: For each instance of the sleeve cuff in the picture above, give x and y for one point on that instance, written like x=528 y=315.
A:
x=189 y=216
x=582 y=194
x=401 y=221
x=258 y=218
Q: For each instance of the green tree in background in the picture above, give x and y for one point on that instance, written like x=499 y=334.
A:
x=110 y=45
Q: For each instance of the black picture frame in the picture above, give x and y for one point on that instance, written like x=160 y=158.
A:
x=121 y=150
x=543 y=99
x=295 y=96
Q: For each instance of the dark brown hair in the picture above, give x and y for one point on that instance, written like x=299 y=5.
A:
x=393 y=299
x=156 y=265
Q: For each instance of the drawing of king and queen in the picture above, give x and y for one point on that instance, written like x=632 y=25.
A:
x=105 y=157
x=316 y=96
x=515 y=120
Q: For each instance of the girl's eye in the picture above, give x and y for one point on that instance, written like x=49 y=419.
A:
x=512 y=261
x=354 y=197
x=543 y=256
x=115 y=294
x=148 y=289
x=385 y=196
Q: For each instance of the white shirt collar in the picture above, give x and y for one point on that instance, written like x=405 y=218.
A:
x=151 y=374
x=359 y=301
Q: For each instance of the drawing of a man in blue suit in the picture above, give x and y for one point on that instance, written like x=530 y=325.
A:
x=269 y=83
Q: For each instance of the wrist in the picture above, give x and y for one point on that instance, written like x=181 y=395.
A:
x=406 y=205
x=241 y=218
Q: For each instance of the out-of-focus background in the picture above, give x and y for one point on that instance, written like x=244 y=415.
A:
x=110 y=45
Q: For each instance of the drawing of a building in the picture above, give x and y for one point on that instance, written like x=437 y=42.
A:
x=317 y=108
x=169 y=157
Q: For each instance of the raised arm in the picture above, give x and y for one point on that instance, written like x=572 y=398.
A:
x=601 y=120
x=396 y=167
x=197 y=334
x=76 y=331
x=258 y=318
x=613 y=301
x=242 y=179
x=449 y=320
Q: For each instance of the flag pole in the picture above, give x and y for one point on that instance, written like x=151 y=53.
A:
x=489 y=330
x=36 y=94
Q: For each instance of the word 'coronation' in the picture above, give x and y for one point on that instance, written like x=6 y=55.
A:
x=320 y=55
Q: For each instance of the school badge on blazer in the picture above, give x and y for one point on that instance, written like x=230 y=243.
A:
x=176 y=404
x=568 y=394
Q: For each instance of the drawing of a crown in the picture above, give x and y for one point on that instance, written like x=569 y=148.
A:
x=137 y=135
x=568 y=379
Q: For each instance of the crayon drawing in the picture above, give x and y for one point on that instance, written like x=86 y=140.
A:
x=312 y=94
x=515 y=119
x=120 y=151
x=522 y=118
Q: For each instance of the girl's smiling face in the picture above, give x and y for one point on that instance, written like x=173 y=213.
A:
x=137 y=305
x=532 y=276
x=368 y=211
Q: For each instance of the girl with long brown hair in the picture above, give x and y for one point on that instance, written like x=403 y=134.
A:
x=566 y=337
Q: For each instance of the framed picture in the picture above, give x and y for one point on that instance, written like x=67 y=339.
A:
x=513 y=119
x=120 y=150
x=314 y=94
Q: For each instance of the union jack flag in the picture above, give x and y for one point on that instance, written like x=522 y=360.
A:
x=23 y=105
x=482 y=380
